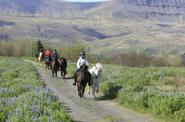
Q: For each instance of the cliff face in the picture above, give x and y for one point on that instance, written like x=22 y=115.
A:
x=147 y=9
x=159 y=7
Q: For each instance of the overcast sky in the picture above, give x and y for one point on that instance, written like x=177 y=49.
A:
x=86 y=0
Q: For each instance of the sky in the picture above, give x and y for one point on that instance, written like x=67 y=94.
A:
x=86 y=0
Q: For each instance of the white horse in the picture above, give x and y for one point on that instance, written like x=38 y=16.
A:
x=40 y=58
x=96 y=73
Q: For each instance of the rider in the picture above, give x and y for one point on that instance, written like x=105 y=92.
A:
x=55 y=55
x=47 y=54
x=80 y=62
x=40 y=56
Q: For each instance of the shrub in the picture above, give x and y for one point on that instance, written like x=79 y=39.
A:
x=180 y=115
x=110 y=89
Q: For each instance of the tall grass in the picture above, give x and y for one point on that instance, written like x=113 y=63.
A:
x=18 y=48
x=139 y=59
x=71 y=52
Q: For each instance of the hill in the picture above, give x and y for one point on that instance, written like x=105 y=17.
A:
x=163 y=10
x=42 y=8
x=107 y=28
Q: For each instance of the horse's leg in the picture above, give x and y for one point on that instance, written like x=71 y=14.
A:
x=61 y=70
x=56 y=73
x=64 y=70
x=93 y=90
x=82 y=91
x=97 y=88
x=89 y=90
x=79 y=91
x=52 y=72
x=50 y=66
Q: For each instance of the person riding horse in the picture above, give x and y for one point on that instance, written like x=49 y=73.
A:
x=48 y=58
x=55 y=63
x=81 y=61
x=40 y=56
x=55 y=56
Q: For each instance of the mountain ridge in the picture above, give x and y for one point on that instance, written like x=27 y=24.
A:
x=159 y=9
x=42 y=8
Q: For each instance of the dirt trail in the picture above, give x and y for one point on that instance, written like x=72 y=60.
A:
x=87 y=109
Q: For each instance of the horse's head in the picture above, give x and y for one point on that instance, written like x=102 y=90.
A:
x=97 y=70
x=84 y=67
x=62 y=59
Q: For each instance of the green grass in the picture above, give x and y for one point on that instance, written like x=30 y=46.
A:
x=156 y=90
x=23 y=97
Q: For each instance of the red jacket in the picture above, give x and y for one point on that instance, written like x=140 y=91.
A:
x=47 y=52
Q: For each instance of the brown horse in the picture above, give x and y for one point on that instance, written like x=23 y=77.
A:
x=82 y=77
x=63 y=67
x=55 y=67
x=48 y=62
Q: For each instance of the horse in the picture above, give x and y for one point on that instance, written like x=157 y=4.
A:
x=48 y=62
x=55 y=67
x=82 y=77
x=39 y=59
x=96 y=73
x=63 y=67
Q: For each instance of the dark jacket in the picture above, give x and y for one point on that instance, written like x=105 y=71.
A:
x=55 y=56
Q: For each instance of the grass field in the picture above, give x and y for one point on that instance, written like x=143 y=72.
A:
x=159 y=91
x=23 y=97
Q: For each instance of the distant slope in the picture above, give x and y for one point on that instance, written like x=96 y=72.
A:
x=43 y=8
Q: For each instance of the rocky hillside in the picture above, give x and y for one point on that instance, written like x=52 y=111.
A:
x=147 y=9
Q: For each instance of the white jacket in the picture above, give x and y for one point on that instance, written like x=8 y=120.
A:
x=81 y=62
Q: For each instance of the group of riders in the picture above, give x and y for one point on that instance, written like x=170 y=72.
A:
x=50 y=56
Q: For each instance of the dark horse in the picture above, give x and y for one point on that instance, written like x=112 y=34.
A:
x=55 y=67
x=82 y=77
x=63 y=67
x=48 y=62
